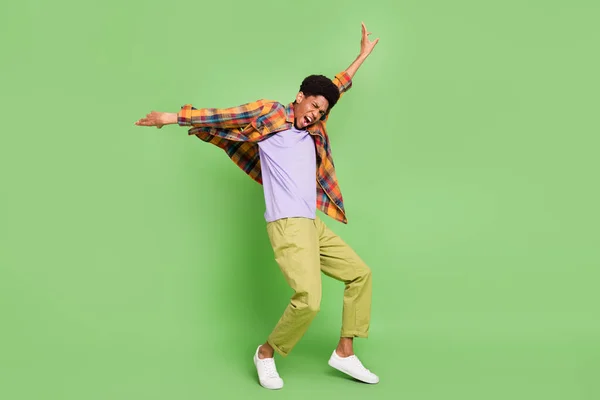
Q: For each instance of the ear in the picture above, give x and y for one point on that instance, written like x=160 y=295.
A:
x=299 y=97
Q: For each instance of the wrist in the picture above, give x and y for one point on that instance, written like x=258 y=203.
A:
x=170 y=118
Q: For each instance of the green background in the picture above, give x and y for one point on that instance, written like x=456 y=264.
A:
x=134 y=262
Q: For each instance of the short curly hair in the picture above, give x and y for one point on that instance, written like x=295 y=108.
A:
x=315 y=85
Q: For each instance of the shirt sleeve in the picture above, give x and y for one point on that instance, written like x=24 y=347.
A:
x=232 y=117
x=343 y=81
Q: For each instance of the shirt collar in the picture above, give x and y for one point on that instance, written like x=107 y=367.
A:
x=289 y=113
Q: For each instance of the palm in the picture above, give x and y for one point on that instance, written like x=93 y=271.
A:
x=366 y=45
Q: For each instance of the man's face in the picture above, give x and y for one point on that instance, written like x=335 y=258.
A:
x=309 y=109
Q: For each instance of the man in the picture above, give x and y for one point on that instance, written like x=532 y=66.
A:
x=284 y=148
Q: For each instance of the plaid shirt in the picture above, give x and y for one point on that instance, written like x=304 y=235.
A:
x=238 y=129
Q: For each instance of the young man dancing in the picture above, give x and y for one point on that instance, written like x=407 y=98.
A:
x=286 y=149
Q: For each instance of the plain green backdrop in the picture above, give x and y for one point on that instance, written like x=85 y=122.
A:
x=134 y=262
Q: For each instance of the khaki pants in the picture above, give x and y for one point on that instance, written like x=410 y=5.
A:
x=303 y=248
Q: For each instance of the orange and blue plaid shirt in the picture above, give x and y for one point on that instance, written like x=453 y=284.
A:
x=237 y=130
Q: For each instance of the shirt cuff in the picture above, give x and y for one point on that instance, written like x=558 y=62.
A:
x=345 y=81
x=184 y=116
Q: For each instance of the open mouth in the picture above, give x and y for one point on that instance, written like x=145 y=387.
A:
x=307 y=120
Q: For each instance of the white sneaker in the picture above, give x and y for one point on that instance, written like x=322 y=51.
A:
x=267 y=372
x=353 y=367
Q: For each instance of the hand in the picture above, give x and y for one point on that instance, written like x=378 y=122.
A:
x=157 y=119
x=366 y=45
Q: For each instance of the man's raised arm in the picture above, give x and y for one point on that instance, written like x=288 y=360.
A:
x=343 y=80
x=366 y=47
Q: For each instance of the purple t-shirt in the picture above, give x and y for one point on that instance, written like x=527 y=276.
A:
x=289 y=168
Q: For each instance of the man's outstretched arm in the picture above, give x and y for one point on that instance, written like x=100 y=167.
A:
x=232 y=117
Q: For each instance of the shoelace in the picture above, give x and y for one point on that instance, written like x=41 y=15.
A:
x=358 y=363
x=270 y=369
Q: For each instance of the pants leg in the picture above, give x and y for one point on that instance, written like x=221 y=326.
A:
x=340 y=262
x=296 y=248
